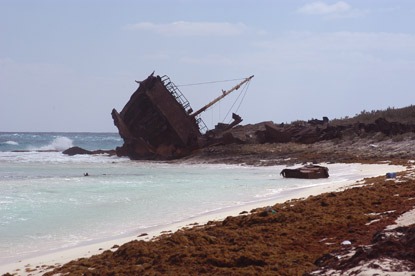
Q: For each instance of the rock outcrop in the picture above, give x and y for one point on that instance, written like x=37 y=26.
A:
x=77 y=150
x=314 y=131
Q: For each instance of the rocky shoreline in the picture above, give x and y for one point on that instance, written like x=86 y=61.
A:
x=360 y=150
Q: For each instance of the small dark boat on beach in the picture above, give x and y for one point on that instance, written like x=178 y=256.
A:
x=306 y=172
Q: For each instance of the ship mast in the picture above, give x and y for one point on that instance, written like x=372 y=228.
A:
x=224 y=94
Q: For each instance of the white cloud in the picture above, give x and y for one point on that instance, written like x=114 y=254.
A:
x=321 y=8
x=184 y=28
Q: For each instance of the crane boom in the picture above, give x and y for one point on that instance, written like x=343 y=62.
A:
x=224 y=94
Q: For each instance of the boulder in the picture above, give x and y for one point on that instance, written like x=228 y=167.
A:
x=76 y=150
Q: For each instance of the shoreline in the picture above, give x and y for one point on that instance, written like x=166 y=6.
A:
x=43 y=263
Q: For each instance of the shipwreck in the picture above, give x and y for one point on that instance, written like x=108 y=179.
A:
x=159 y=123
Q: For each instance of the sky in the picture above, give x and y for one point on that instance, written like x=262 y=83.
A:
x=64 y=65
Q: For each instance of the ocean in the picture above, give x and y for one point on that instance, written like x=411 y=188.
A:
x=47 y=204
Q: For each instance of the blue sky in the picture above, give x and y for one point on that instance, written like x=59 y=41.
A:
x=65 y=64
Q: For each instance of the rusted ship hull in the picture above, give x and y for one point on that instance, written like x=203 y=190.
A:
x=154 y=124
x=306 y=172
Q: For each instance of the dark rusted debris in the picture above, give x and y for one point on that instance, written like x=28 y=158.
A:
x=308 y=172
x=321 y=130
x=158 y=122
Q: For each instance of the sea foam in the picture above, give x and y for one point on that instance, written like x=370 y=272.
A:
x=60 y=143
x=13 y=143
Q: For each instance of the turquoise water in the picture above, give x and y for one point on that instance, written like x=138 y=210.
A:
x=12 y=141
x=46 y=202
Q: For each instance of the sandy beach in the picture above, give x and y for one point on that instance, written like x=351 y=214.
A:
x=41 y=264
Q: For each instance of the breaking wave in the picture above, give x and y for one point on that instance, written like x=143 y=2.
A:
x=12 y=143
x=60 y=143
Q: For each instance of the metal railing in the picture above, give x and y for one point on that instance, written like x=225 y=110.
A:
x=181 y=99
x=177 y=94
